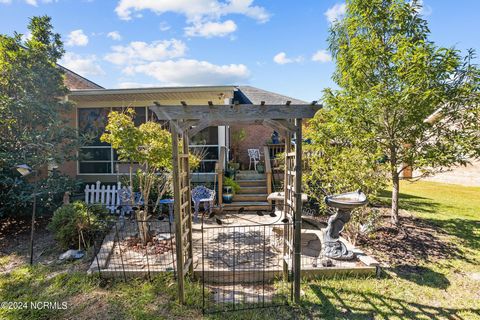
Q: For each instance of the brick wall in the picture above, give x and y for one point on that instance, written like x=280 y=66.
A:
x=256 y=137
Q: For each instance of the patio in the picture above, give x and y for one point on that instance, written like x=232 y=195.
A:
x=246 y=248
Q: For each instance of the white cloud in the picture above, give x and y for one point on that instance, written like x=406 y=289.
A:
x=27 y=36
x=77 y=38
x=336 y=12
x=191 y=72
x=83 y=65
x=322 y=56
x=203 y=16
x=30 y=2
x=164 y=26
x=193 y=10
x=281 y=58
x=114 y=35
x=424 y=9
x=211 y=29
x=138 y=52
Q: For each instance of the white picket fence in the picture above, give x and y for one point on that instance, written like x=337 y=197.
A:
x=105 y=195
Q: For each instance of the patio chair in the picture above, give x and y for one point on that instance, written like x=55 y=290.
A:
x=254 y=155
x=202 y=194
x=126 y=205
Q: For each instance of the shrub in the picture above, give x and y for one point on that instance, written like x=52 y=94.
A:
x=16 y=193
x=77 y=223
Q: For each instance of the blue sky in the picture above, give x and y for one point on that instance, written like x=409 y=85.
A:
x=274 y=45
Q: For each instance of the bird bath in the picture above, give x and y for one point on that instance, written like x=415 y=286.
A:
x=344 y=204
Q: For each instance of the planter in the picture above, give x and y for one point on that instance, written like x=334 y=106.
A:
x=227 y=198
x=230 y=173
x=227 y=194
x=260 y=168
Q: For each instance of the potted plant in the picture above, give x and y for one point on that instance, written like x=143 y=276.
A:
x=260 y=168
x=230 y=187
x=231 y=169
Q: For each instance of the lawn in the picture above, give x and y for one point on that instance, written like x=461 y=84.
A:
x=433 y=273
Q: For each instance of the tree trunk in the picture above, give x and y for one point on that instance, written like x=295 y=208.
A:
x=395 y=192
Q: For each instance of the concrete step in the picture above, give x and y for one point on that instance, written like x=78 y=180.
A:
x=252 y=183
x=250 y=190
x=247 y=205
x=250 y=197
x=249 y=176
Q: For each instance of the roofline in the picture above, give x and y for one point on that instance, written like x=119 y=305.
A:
x=85 y=92
x=76 y=74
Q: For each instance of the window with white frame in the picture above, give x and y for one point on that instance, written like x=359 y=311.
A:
x=206 y=143
x=98 y=157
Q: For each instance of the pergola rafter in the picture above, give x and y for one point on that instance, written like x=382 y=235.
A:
x=187 y=120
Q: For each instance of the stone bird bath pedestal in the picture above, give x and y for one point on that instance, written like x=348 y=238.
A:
x=344 y=204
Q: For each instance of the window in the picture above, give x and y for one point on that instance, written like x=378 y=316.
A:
x=206 y=143
x=98 y=157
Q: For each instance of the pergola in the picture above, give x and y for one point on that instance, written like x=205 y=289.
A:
x=187 y=120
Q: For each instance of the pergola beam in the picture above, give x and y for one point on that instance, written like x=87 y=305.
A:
x=234 y=112
x=281 y=125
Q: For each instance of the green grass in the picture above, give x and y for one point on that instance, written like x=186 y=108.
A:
x=438 y=289
x=452 y=208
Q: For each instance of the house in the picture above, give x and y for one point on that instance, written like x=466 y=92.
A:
x=99 y=162
x=468 y=175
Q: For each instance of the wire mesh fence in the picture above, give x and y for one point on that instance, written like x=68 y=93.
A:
x=243 y=267
x=243 y=259
x=132 y=247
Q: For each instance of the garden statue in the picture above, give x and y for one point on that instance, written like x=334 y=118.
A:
x=344 y=204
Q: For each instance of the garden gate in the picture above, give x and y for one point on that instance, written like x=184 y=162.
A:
x=242 y=266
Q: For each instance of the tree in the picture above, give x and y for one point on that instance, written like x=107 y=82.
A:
x=32 y=129
x=150 y=146
x=334 y=165
x=392 y=78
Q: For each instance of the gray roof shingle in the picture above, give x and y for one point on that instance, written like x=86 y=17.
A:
x=252 y=95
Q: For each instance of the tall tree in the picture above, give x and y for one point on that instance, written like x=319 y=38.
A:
x=33 y=129
x=392 y=78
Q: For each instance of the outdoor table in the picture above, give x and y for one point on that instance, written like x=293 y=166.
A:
x=168 y=202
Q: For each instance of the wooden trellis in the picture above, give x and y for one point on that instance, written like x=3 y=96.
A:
x=186 y=120
x=182 y=207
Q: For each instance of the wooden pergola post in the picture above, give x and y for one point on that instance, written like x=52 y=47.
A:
x=177 y=211
x=297 y=237
x=286 y=205
x=187 y=194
